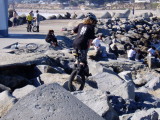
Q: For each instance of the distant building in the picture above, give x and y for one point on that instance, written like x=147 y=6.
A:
x=142 y=1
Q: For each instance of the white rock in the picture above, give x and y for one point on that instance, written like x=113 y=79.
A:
x=126 y=90
x=19 y=93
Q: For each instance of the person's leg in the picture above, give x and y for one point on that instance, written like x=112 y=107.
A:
x=37 y=24
x=30 y=27
x=83 y=62
x=75 y=53
x=37 y=28
x=27 y=26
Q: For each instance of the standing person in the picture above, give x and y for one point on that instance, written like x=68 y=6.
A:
x=133 y=11
x=29 y=19
x=37 y=18
x=50 y=38
x=15 y=15
x=151 y=57
x=85 y=34
x=32 y=14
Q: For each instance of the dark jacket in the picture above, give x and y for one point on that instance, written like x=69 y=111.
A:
x=50 y=38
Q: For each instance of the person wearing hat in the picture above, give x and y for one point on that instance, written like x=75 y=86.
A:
x=37 y=18
x=85 y=34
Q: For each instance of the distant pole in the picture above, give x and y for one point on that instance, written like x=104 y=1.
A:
x=4 y=18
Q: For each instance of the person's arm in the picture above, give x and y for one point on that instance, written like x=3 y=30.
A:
x=75 y=29
x=90 y=42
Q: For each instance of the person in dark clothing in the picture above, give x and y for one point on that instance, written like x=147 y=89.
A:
x=138 y=56
x=85 y=34
x=114 y=49
x=37 y=20
x=50 y=38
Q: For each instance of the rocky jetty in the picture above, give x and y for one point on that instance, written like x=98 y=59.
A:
x=34 y=84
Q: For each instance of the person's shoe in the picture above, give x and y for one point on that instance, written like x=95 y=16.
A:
x=86 y=71
x=88 y=74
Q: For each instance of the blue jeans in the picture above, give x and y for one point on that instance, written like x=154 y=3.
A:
x=131 y=58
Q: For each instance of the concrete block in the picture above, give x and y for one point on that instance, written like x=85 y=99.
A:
x=50 y=102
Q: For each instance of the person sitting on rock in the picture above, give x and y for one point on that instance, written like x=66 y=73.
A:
x=131 y=54
x=96 y=42
x=138 y=56
x=100 y=50
x=151 y=51
x=50 y=38
x=114 y=49
x=151 y=59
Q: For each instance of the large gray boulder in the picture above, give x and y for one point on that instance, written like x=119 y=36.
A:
x=126 y=13
x=126 y=90
x=67 y=15
x=140 y=81
x=21 y=92
x=107 y=81
x=52 y=17
x=154 y=84
x=7 y=101
x=126 y=75
x=106 y=15
x=48 y=78
x=80 y=16
x=59 y=16
x=47 y=69
x=73 y=16
x=50 y=102
x=145 y=15
x=123 y=15
x=96 y=68
x=97 y=101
